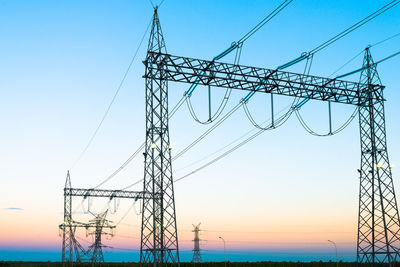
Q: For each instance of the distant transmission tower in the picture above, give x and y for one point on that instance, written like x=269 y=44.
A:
x=100 y=223
x=196 y=240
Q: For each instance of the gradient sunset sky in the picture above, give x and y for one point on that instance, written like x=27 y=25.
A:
x=282 y=196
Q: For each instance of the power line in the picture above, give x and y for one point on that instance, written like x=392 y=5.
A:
x=363 y=68
x=358 y=54
x=135 y=183
x=225 y=153
x=161 y=3
x=207 y=132
x=355 y=26
x=388 y=57
x=305 y=126
x=242 y=137
x=121 y=167
x=265 y=20
x=329 y=42
x=386 y=39
x=191 y=88
x=337 y=37
x=112 y=100
x=235 y=45
x=345 y=64
x=279 y=122
x=341 y=128
x=295 y=61
x=340 y=35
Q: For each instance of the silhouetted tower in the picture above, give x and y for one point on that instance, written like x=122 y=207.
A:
x=72 y=251
x=68 y=231
x=100 y=223
x=159 y=238
x=196 y=240
x=378 y=220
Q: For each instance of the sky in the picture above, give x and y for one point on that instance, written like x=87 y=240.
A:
x=280 y=197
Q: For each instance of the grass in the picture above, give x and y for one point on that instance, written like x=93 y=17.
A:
x=189 y=264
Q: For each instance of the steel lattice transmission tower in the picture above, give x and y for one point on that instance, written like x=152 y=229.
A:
x=378 y=220
x=99 y=223
x=72 y=251
x=68 y=232
x=196 y=240
x=378 y=228
x=159 y=238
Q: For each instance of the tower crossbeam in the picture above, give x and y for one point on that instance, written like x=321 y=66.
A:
x=379 y=222
x=255 y=79
x=84 y=192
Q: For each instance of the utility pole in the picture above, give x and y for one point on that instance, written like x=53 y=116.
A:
x=196 y=240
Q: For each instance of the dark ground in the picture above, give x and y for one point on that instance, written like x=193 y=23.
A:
x=205 y=264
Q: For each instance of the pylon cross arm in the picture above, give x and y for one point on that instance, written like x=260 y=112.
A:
x=225 y=75
x=84 y=192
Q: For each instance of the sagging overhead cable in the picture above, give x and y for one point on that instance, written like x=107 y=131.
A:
x=265 y=20
x=355 y=26
x=188 y=92
x=363 y=68
x=235 y=45
x=341 y=128
x=352 y=116
x=345 y=64
x=239 y=43
x=295 y=61
x=291 y=63
x=112 y=100
x=121 y=167
x=386 y=39
x=282 y=119
x=330 y=132
x=342 y=34
x=139 y=149
x=349 y=30
x=223 y=103
x=362 y=51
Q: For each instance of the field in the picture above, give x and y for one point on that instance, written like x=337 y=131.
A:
x=205 y=264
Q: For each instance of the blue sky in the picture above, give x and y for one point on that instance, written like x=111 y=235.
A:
x=62 y=61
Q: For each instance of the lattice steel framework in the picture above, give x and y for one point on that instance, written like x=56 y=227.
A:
x=72 y=251
x=159 y=237
x=96 y=249
x=196 y=241
x=378 y=228
x=378 y=222
x=67 y=227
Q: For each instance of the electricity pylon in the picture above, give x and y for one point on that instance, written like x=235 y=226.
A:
x=72 y=251
x=378 y=219
x=378 y=228
x=159 y=237
x=196 y=240
x=67 y=227
x=96 y=249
